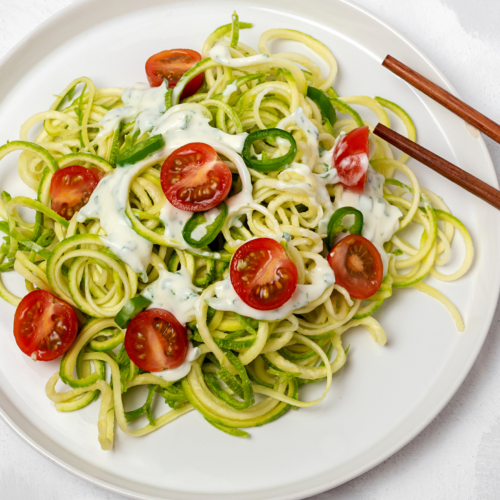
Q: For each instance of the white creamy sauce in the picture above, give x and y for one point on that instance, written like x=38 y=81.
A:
x=310 y=130
x=380 y=219
x=183 y=369
x=220 y=54
x=143 y=103
x=230 y=89
x=328 y=178
x=282 y=143
x=174 y=292
x=182 y=126
x=325 y=161
x=200 y=231
x=226 y=299
x=299 y=118
x=108 y=204
x=174 y=220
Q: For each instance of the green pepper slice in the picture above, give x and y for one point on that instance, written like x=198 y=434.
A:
x=335 y=224
x=212 y=230
x=266 y=164
x=324 y=104
x=140 y=151
x=130 y=310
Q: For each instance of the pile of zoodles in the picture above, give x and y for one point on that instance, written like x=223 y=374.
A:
x=239 y=356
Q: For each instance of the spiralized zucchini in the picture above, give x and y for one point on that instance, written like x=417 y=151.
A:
x=240 y=356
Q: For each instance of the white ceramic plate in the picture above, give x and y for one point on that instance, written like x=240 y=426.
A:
x=385 y=395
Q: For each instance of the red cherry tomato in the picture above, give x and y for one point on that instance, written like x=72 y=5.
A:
x=262 y=274
x=194 y=179
x=156 y=341
x=171 y=65
x=71 y=187
x=357 y=266
x=350 y=158
x=44 y=326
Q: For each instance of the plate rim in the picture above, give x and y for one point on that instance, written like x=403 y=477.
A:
x=409 y=436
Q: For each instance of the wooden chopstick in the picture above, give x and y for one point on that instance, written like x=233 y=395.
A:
x=441 y=166
x=449 y=101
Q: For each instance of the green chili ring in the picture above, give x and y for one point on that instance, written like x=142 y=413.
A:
x=213 y=229
x=266 y=165
x=335 y=224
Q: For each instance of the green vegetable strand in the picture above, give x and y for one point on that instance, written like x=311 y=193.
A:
x=140 y=151
x=130 y=310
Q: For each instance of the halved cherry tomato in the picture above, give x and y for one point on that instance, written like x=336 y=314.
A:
x=262 y=274
x=171 y=65
x=194 y=179
x=71 y=187
x=357 y=266
x=156 y=341
x=350 y=158
x=44 y=326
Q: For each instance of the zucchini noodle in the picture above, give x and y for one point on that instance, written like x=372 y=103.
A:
x=239 y=354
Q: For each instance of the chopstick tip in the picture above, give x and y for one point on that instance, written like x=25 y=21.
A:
x=379 y=129
x=388 y=60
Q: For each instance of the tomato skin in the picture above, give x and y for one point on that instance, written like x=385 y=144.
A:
x=71 y=188
x=350 y=158
x=98 y=174
x=171 y=65
x=357 y=265
x=261 y=267
x=194 y=179
x=44 y=326
x=156 y=341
